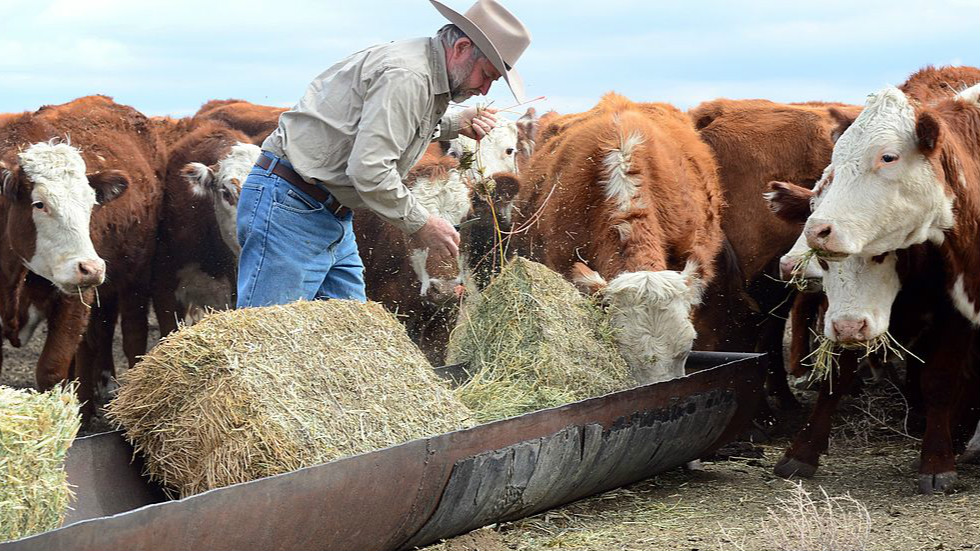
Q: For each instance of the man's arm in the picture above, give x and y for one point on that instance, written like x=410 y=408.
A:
x=390 y=118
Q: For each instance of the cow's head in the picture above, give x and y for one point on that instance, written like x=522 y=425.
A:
x=792 y=203
x=860 y=291
x=223 y=183
x=51 y=200
x=887 y=193
x=441 y=190
x=651 y=313
x=496 y=152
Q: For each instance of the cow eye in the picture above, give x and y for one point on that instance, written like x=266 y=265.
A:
x=510 y=151
x=453 y=153
x=889 y=158
x=38 y=205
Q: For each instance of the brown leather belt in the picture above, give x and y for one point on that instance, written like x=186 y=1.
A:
x=297 y=181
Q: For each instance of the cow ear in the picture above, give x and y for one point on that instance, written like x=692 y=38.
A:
x=108 y=185
x=843 y=122
x=14 y=186
x=928 y=133
x=527 y=128
x=586 y=279
x=200 y=177
x=789 y=202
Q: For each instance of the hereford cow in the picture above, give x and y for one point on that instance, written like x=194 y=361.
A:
x=69 y=221
x=195 y=267
x=627 y=193
x=255 y=121
x=399 y=272
x=755 y=142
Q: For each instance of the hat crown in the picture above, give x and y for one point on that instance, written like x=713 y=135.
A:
x=504 y=30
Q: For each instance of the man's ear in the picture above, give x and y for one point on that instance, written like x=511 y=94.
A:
x=108 y=184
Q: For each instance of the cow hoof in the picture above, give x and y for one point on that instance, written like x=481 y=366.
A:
x=936 y=483
x=969 y=456
x=788 y=467
x=695 y=465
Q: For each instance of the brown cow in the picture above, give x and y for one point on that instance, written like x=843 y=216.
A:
x=52 y=189
x=627 y=192
x=755 y=142
x=256 y=121
x=901 y=292
x=196 y=262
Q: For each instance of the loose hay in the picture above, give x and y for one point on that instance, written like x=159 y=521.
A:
x=823 y=360
x=532 y=341
x=257 y=392
x=36 y=430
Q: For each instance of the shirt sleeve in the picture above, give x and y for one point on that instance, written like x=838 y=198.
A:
x=449 y=126
x=390 y=119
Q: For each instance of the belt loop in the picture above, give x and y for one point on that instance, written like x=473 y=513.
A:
x=273 y=161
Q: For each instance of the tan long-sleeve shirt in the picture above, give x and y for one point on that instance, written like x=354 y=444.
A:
x=364 y=122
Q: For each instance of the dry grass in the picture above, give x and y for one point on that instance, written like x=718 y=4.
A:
x=823 y=360
x=36 y=430
x=261 y=391
x=804 y=522
x=532 y=341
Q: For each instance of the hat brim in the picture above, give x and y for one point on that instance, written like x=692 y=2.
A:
x=511 y=76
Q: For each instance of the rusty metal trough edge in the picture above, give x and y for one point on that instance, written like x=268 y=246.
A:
x=394 y=498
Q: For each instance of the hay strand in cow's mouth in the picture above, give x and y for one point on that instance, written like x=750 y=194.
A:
x=823 y=359
x=798 y=275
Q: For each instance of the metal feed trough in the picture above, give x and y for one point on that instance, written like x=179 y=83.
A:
x=422 y=491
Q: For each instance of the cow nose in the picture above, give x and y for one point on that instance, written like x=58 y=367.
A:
x=850 y=330
x=786 y=265
x=91 y=272
x=818 y=236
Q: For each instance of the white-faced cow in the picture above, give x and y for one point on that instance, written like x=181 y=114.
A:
x=628 y=194
x=916 y=148
x=195 y=267
x=69 y=221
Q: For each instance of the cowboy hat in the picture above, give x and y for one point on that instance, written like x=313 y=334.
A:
x=497 y=33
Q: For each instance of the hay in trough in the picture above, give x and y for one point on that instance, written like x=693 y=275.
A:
x=36 y=430
x=256 y=392
x=532 y=341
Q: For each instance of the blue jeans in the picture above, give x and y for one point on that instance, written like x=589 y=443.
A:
x=293 y=248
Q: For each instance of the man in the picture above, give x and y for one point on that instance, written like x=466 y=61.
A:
x=349 y=142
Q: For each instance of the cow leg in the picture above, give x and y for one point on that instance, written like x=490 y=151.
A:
x=165 y=305
x=941 y=383
x=777 y=384
x=67 y=321
x=135 y=326
x=94 y=363
x=803 y=456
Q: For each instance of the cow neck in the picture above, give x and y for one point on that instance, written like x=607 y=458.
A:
x=959 y=160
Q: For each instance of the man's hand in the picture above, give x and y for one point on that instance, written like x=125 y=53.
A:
x=477 y=122
x=439 y=237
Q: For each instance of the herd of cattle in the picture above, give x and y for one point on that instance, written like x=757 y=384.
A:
x=682 y=222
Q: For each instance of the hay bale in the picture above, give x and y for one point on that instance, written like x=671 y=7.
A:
x=532 y=341
x=256 y=392
x=36 y=430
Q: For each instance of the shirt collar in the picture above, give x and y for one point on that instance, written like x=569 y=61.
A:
x=437 y=62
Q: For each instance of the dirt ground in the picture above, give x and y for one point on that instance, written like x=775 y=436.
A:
x=730 y=504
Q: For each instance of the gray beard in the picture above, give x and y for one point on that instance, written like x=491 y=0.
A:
x=456 y=79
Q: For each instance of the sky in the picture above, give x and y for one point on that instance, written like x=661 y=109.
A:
x=169 y=57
